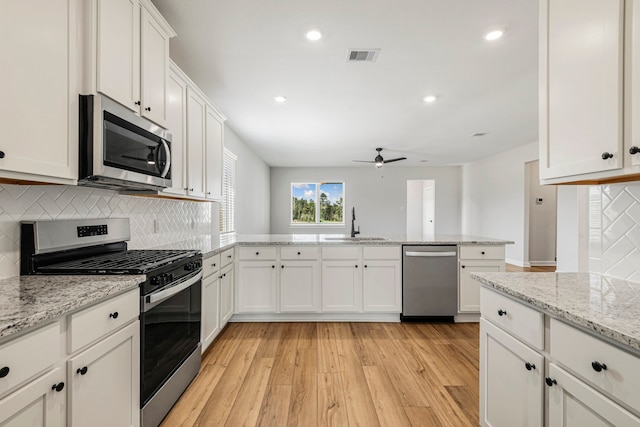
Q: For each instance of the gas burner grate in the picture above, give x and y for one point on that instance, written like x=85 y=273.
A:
x=131 y=261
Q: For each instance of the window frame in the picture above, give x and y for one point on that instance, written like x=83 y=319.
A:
x=223 y=200
x=318 y=223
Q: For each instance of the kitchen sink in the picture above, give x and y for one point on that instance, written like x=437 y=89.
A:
x=348 y=239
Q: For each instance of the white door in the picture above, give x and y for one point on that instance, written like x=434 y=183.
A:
x=154 y=68
x=226 y=295
x=210 y=310
x=195 y=143
x=176 y=123
x=341 y=286
x=511 y=380
x=300 y=286
x=572 y=403
x=382 y=286
x=257 y=287
x=469 y=290
x=118 y=51
x=104 y=382
x=213 y=148
x=429 y=207
x=38 y=404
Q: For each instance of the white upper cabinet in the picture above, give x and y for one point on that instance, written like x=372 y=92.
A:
x=132 y=56
x=213 y=153
x=39 y=59
x=177 y=124
x=195 y=143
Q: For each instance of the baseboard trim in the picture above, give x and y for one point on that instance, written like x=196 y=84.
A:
x=517 y=262
x=316 y=317
x=542 y=263
x=467 y=318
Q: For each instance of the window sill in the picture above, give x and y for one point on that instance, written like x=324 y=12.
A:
x=320 y=225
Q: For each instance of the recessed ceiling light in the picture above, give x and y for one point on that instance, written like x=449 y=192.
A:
x=280 y=98
x=429 y=98
x=314 y=35
x=494 y=35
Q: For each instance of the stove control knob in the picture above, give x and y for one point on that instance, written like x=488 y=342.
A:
x=190 y=266
x=155 y=281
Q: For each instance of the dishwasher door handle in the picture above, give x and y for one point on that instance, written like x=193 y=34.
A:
x=430 y=254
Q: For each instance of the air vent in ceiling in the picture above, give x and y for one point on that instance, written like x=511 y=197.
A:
x=363 y=55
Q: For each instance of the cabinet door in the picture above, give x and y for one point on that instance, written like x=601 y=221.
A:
x=37 y=404
x=214 y=152
x=39 y=107
x=195 y=143
x=210 y=310
x=226 y=295
x=154 y=68
x=300 y=286
x=108 y=393
x=118 y=51
x=511 y=392
x=257 y=287
x=574 y=404
x=469 y=289
x=382 y=286
x=176 y=123
x=581 y=86
x=341 y=286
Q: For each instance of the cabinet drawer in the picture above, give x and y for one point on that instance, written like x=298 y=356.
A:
x=299 y=252
x=210 y=265
x=340 y=252
x=94 y=322
x=581 y=353
x=29 y=355
x=381 y=252
x=522 y=321
x=259 y=253
x=481 y=252
x=227 y=257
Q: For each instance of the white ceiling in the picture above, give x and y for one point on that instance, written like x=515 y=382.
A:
x=242 y=53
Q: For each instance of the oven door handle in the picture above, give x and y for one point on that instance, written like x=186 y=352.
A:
x=157 y=297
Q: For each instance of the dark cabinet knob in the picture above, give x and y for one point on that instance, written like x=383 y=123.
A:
x=137 y=102
x=114 y=315
x=356 y=265
x=58 y=387
x=598 y=367
x=606 y=155
x=463 y=266
x=298 y=253
x=366 y=266
x=213 y=265
x=282 y=266
x=1 y=154
x=482 y=252
x=186 y=188
x=224 y=275
x=273 y=266
x=82 y=370
x=148 y=108
x=257 y=253
x=550 y=382
x=529 y=366
x=219 y=277
x=4 y=372
x=229 y=256
x=634 y=150
x=502 y=312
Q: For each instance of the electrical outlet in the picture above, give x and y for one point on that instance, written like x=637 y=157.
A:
x=156 y=226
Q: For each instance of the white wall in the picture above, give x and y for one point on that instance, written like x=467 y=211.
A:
x=494 y=198
x=380 y=198
x=573 y=228
x=542 y=218
x=252 y=187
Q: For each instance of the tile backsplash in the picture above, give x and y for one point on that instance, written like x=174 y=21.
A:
x=176 y=220
x=614 y=230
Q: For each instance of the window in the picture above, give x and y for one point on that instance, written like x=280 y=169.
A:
x=228 y=203
x=317 y=203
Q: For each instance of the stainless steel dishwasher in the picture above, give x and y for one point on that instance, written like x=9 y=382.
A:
x=429 y=283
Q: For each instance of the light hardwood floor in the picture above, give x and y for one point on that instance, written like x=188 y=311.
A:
x=515 y=268
x=335 y=374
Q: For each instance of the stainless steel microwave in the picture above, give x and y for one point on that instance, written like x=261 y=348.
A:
x=121 y=150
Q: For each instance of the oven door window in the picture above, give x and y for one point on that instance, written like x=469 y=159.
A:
x=170 y=333
x=129 y=147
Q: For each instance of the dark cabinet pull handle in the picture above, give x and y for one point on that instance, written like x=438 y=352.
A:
x=4 y=372
x=502 y=312
x=82 y=370
x=148 y=108
x=550 y=382
x=114 y=315
x=634 y=150
x=1 y=154
x=58 y=387
x=598 y=367
x=606 y=155
x=529 y=366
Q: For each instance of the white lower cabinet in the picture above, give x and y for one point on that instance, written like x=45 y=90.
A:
x=382 y=286
x=210 y=309
x=226 y=294
x=475 y=259
x=300 y=286
x=104 y=382
x=572 y=403
x=41 y=403
x=257 y=287
x=341 y=286
x=511 y=380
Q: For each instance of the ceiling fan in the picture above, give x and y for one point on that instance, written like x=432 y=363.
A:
x=379 y=161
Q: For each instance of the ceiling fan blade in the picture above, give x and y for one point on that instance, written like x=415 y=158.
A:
x=395 y=160
x=363 y=161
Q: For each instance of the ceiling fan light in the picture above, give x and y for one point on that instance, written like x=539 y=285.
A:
x=379 y=164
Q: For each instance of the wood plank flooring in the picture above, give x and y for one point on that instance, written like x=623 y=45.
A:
x=335 y=374
x=541 y=269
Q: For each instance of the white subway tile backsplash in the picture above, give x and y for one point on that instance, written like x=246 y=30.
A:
x=178 y=220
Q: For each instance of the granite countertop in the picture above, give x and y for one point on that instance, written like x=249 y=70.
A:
x=609 y=307
x=28 y=301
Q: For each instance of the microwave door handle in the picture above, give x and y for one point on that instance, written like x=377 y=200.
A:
x=168 y=153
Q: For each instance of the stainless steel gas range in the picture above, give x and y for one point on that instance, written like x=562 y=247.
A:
x=170 y=298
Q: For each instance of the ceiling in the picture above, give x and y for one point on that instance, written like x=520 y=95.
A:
x=243 y=53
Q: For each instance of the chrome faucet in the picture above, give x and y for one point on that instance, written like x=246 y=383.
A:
x=353 y=223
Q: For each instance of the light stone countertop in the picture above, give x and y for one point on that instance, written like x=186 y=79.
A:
x=27 y=301
x=607 y=306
